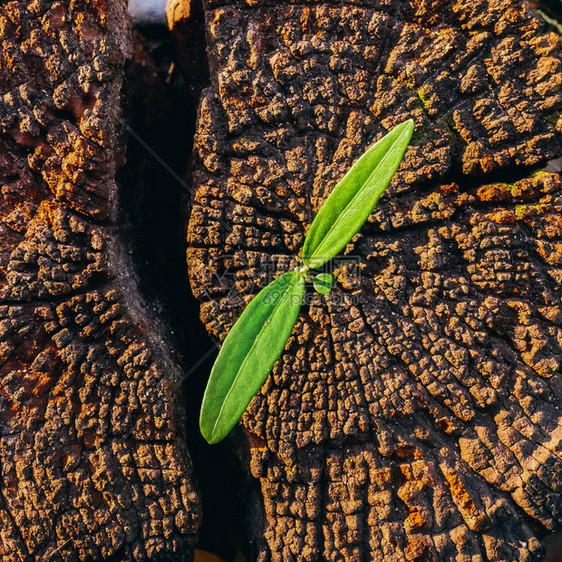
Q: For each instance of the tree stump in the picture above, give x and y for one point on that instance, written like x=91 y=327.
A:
x=415 y=413
x=92 y=452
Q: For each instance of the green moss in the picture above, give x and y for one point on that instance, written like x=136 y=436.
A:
x=425 y=100
x=553 y=119
x=522 y=211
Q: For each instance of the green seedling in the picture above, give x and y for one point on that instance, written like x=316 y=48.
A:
x=322 y=283
x=258 y=337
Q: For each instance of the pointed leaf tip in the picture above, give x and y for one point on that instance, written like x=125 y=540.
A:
x=353 y=199
x=248 y=354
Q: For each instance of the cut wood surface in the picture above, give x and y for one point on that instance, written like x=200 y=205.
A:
x=93 y=462
x=415 y=414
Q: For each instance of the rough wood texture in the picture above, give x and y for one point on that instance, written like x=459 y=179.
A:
x=93 y=462
x=416 y=412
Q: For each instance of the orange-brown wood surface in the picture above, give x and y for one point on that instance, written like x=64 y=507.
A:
x=415 y=414
x=93 y=462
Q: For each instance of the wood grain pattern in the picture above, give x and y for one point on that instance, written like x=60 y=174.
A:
x=93 y=462
x=416 y=412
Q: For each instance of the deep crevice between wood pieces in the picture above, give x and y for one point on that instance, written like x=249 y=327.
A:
x=160 y=108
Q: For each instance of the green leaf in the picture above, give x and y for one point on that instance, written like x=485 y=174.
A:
x=248 y=354
x=323 y=283
x=352 y=200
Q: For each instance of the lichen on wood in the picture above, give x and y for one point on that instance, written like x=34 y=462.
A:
x=93 y=462
x=415 y=414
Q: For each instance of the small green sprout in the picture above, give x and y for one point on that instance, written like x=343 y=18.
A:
x=322 y=283
x=258 y=337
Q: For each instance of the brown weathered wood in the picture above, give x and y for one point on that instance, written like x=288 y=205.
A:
x=93 y=462
x=415 y=414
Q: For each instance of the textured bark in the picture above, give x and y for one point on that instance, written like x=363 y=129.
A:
x=415 y=414
x=93 y=462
